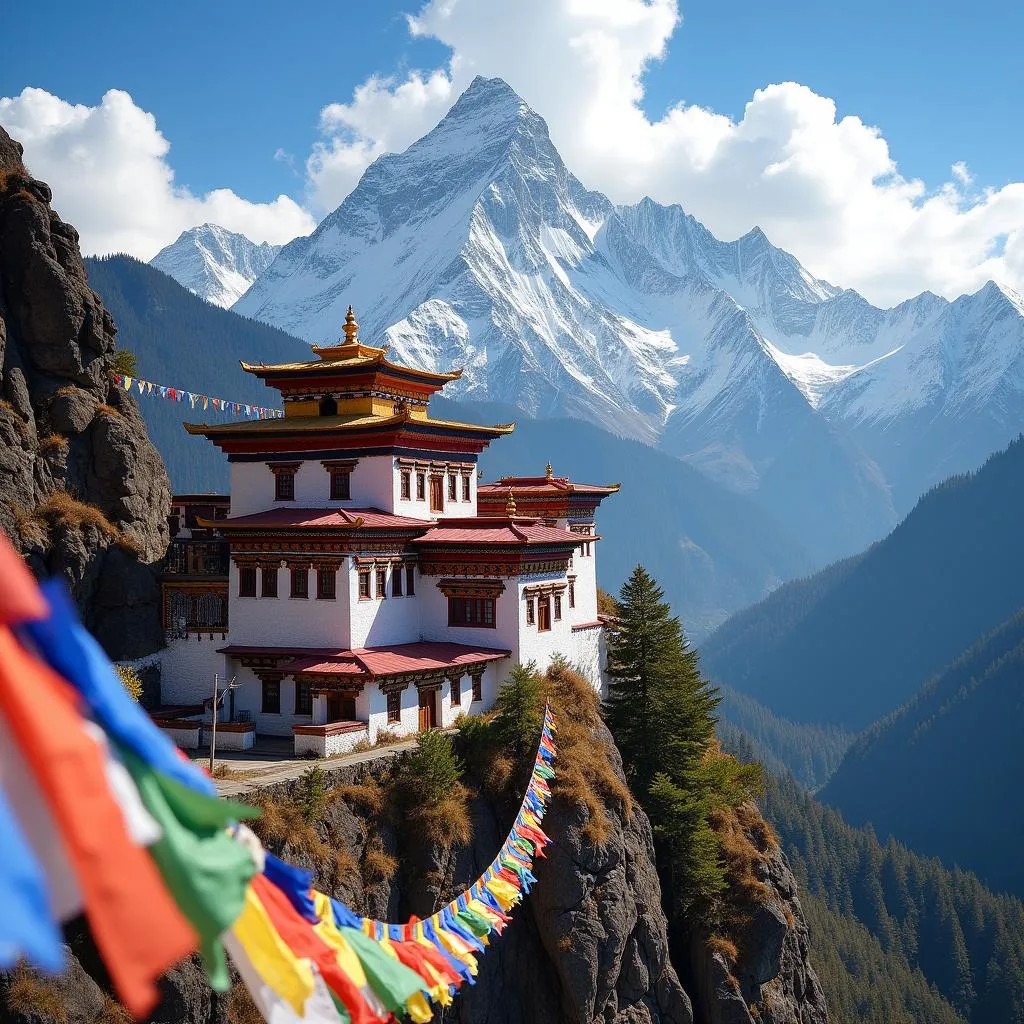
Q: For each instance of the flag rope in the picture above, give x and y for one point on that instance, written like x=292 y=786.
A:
x=147 y=387
x=101 y=813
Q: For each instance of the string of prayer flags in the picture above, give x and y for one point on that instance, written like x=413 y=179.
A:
x=146 y=387
x=100 y=812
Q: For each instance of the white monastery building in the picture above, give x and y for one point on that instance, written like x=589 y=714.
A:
x=360 y=578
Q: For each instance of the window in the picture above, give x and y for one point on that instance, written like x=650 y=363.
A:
x=465 y=488
x=410 y=580
x=328 y=407
x=406 y=478
x=325 y=584
x=303 y=697
x=396 y=581
x=271 y=697
x=394 y=706
x=455 y=688
x=572 y=593
x=341 y=489
x=543 y=614
x=382 y=583
x=300 y=583
x=284 y=484
x=530 y=617
x=269 y=580
x=364 y=584
x=478 y=688
x=558 y=607
x=451 y=487
x=437 y=494
x=586 y=549
x=247 y=581
x=421 y=486
x=471 y=611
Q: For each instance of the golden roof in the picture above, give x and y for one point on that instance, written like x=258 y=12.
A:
x=333 y=424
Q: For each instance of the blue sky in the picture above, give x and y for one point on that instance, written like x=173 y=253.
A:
x=237 y=89
x=232 y=82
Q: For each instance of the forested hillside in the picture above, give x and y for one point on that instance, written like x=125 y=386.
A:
x=185 y=342
x=964 y=940
x=856 y=641
x=942 y=774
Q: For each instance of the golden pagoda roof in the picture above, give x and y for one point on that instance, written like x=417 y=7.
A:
x=349 y=354
x=334 y=424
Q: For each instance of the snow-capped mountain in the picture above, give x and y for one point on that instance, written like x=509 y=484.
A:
x=216 y=264
x=477 y=247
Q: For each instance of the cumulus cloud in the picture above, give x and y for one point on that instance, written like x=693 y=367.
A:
x=825 y=188
x=111 y=178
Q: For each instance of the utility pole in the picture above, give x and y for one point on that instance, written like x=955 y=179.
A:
x=213 y=727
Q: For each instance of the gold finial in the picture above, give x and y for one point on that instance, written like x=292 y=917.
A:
x=351 y=328
x=510 y=505
x=549 y=471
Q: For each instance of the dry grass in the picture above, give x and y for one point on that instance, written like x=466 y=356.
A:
x=102 y=409
x=378 y=864
x=283 y=822
x=386 y=737
x=446 y=822
x=498 y=773
x=725 y=948
x=585 y=774
x=241 y=1008
x=53 y=443
x=565 y=944
x=6 y=406
x=30 y=994
x=222 y=770
x=113 y=1012
x=746 y=840
x=344 y=863
x=368 y=796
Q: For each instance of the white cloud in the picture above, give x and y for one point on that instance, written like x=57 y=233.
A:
x=828 y=190
x=108 y=169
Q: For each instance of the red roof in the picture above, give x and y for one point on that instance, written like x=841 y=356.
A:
x=322 y=519
x=425 y=656
x=541 y=485
x=514 y=532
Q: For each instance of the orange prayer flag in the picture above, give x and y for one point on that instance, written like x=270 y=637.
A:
x=138 y=928
x=20 y=599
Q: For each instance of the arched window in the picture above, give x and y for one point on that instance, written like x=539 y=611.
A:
x=328 y=407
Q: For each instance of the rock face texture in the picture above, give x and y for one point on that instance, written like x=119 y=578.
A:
x=590 y=944
x=773 y=981
x=83 y=493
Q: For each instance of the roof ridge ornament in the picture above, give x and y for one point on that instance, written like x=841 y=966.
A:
x=510 y=504
x=350 y=328
x=548 y=471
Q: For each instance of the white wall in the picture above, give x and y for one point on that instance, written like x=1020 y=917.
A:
x=285 y=621
x=375 y=483
x=587 y=654
x=535 y=645
x=586 y=584
x=378 y=622
x=249 y=697
x=187 y=667
x=434 y=618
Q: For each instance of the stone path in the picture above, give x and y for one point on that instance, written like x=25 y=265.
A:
x=264 y=765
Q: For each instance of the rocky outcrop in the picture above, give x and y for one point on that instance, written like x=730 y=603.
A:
x=772 y=980
x=83 y=493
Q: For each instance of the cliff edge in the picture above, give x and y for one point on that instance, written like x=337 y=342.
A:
x=83 y=492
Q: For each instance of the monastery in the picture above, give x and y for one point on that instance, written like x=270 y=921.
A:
x=360 y=577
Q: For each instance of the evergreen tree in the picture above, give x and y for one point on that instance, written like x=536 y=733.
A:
x=519 y=709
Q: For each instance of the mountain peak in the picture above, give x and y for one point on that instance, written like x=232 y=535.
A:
x=488 y=107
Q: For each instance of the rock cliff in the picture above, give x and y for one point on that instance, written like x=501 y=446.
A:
x=83 y=493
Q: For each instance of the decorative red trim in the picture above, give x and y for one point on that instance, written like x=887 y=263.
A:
x=329 y=728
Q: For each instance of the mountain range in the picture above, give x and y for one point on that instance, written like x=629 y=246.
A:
x=855 y=641
x=478 y=247
x=716 y=551
x=216 y=264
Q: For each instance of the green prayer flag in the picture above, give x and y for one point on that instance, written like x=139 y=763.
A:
x=206 y=871
x=393 y=982
x=474 y=922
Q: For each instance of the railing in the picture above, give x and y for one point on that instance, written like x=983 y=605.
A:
x=197 y=558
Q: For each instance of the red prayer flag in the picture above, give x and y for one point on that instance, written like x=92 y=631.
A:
x=20 y=597
x=138 y=928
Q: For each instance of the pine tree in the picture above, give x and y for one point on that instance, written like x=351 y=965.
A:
x=519 y=709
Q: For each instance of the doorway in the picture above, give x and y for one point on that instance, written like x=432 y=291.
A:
x=428 y=709
x=340 y=708
x=437 y=494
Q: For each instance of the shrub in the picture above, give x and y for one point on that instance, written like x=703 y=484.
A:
x=102 y=409
x=124 y=362
x=311 y=793
x=378 y=864
x=59 y=510
x=367 y=796
x=434 y=802
x=53 y=443
x=519 y=711
x=131 y=681
x=31 y=995
x=283 y=823
x=725 y=948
